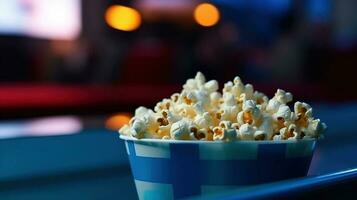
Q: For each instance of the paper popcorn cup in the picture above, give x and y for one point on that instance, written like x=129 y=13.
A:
x=172 y=169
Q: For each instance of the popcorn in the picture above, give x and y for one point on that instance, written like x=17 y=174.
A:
x=228 y=87
x=261 y=100
x=236 y=126
x=125 y=130
x=209 y=134
x=164 y=131
x=260 y=135
x=246 y=132
x=171 y=116
x=201 y=112
x=250 y=114
x=224 y=134
x=187 y=111
x=219 y=133
x=166 y=137
x=282 y=117
x=229 y=113
x=238 y=87
x=175 y=97
x=315 y=129
x=142 y=111
x=164 y=104
x=202 y=134
x=145 y=121
x=280 y=98
x=200 y=78
x=248 y=90
x=138 y=128
x=180 y=130
x=151 y=123
x=215 y=118
x=283 y=112
x=273 y=106
x=231 y=134
x=211 y=86
x=267 y=127
x=278 y=137
x=283 y=97
x=215 y=98
x=196 y=134
x=289 y=132
x=203 y=121
x=303 y=112
x=225 y=124
x=228 y=99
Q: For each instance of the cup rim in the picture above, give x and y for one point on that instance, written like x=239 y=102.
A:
x=130 y=138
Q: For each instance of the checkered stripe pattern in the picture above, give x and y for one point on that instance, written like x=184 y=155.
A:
x=178 y=170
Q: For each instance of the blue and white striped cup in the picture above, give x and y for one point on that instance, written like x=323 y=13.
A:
x=170 y=169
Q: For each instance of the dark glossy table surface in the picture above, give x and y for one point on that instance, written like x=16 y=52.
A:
x=93 y=164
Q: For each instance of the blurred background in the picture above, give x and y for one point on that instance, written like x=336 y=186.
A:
x=57 y=54
x=72 y=72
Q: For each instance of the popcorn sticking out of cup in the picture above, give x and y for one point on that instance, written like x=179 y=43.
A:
x=200 y=101
x=237 y=137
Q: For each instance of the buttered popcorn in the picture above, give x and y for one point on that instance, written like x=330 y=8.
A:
x=201 y=112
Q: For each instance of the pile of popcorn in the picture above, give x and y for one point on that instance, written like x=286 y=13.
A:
x=201 y=112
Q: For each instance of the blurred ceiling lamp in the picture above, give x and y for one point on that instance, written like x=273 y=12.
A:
x=122 y=18
x=206 y=14
x=116 y=121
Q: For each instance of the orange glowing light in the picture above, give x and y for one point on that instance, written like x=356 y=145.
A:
x=116 y=121
x=206 y=14
x=123 y=18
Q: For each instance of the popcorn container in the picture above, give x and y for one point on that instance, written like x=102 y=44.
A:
x=173 y=169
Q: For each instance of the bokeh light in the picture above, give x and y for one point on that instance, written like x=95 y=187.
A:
x=206 y=14
x=116 y=121
x=123 y=18
x=61 y=125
